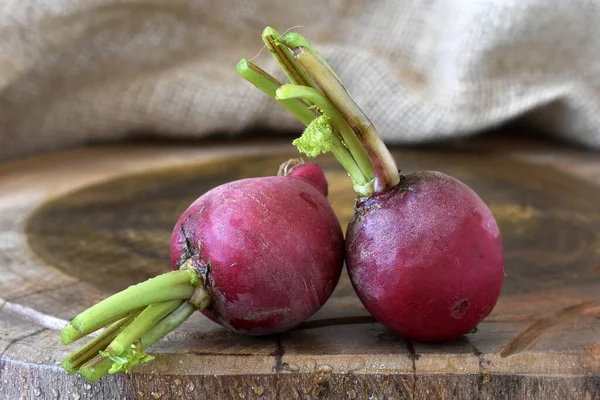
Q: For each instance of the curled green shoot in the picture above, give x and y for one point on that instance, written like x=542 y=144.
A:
x=318 y=137
x=348 y=138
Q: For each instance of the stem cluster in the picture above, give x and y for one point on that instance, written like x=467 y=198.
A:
x=133 y=320
x=316 y=91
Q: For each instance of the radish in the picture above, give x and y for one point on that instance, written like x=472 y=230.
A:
x=423 y=251
x=258 y=256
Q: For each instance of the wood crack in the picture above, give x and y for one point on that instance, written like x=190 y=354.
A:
x=527 y=337
x=483 y=375
x=278 y=354
x=18 y=339
x=413 y=356
x=4 y=360
x=214 y=353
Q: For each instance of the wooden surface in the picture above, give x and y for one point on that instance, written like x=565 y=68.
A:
x=78 y=226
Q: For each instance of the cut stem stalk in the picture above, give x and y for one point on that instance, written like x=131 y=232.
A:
x=82 y=355
x=96 y=368
x=349 y=138
x=293 y=40
x=384 y=165
x=284 y=58
x=266 y=83
x=71 y=334
x=169 y=286
x=141 y=324
x=166 y=325
x=99 y=366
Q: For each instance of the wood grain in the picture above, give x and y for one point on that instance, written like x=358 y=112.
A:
x=80 y=225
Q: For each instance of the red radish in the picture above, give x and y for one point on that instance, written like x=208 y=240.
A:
x=423 y=251
x=425 y=257
x=271 y=249
x=258 y=256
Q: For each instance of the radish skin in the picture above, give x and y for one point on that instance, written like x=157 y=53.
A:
x=271 y=250
x=438 y=269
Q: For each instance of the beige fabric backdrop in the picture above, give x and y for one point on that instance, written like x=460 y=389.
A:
x=75 y=71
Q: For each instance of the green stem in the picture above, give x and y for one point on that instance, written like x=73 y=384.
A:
x=100 y=365
x=71 y=334
x=293 y=40
x=343 y=156
x=306 y=68
x=319 y=137
x=284 y=58
x=172 y=285
x=328 y=108
x=80 y=356
x=268 y=85
x=141 y=324
x=96 y=368
x=166 y=325
x=386 y=171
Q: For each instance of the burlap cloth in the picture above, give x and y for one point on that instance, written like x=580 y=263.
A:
x=74 y=72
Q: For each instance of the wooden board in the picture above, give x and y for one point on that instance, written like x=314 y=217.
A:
x=80 y=225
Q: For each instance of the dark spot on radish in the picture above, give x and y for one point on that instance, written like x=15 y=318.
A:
x=306 y=197
x=460 y=309
x=187 y=250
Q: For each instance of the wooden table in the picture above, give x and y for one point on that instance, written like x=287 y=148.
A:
x=79 y=225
